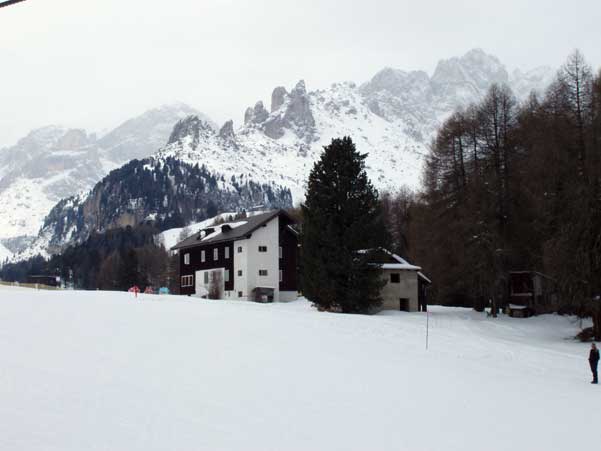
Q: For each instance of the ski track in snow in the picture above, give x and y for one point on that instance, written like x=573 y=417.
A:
x=102 y=370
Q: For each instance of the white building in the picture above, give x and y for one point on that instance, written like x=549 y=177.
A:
x=406 y=285
x=254 y=258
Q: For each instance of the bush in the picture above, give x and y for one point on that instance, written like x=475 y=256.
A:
x=586 y=334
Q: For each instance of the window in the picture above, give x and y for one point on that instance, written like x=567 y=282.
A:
x=262 y=248
x=239 y=294
x=226 y=275
x=281 y=250
x=239 y=273
x=281 y=275
x=186 y=259
x=206 y=276
x=395 y=278
x=262 y=272
x=202 y=256
x=239 y=249
x=215 y=254
x=227 y=252
x=187 y=281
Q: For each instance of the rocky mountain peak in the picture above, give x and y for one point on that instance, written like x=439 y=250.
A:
x=73 y=139
x=300 y=89
x=227 y=133
x=298 y=112
x=469 y=75
x=278 y=97
x=288 y=111
x=41 y=138
x=256 y=115
x=400 y=95
x=227 y=130
x=142 y=135
x=193 y=127
x=396 y=82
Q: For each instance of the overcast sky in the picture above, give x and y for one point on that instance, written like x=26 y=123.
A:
x=93 y=63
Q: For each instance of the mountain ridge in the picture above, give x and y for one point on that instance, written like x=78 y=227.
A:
x=55 y=162
x=166 y=193
x=392 y=117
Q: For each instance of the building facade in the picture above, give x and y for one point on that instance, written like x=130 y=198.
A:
x=405 y=286
x=254 y=258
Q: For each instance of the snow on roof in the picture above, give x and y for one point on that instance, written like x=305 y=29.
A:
x=405 y=266
x=171 y=236
x=423 y=276
x=402 y=263
x=218 y=230
x=237 y=230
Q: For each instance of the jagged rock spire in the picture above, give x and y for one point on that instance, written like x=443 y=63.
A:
x=256 y=115
x=190 y=126
x=227 y=131
x=298 y=111
x=278 y=97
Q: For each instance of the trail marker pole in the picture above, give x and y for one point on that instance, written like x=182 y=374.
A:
x=427 y=327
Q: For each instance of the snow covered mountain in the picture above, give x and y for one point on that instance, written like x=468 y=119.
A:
x=281 y=145
x=166 y=193
x=392 y=117
x=52 y=163
x=5 y=254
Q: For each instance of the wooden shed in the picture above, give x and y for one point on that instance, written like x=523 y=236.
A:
x=530 y=293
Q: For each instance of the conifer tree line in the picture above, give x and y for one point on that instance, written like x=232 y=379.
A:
x=511 y=186
x=114 y=260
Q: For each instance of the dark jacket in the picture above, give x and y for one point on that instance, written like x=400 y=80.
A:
x=594 y=356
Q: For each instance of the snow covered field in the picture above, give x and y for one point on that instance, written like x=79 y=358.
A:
x=102 y=371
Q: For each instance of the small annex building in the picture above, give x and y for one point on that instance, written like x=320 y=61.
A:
x=250 y=259
x=406 y=285
x=531 y=293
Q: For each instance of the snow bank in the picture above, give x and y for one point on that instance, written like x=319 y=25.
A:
x=100 y=370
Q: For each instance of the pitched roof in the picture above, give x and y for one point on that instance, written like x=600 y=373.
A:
x=423 y=277
x=229 y=231
x=387 y=260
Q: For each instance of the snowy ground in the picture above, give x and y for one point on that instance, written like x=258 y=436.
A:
x=102 y=371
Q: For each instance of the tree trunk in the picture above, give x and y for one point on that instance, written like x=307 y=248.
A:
x=597 y=324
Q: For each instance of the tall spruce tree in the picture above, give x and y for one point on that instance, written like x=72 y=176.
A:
x=342 y=216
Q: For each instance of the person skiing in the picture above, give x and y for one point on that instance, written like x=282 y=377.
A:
x=593 y=360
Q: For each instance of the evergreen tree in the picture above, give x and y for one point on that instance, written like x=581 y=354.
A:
x=130 y=273
x=342 y=216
